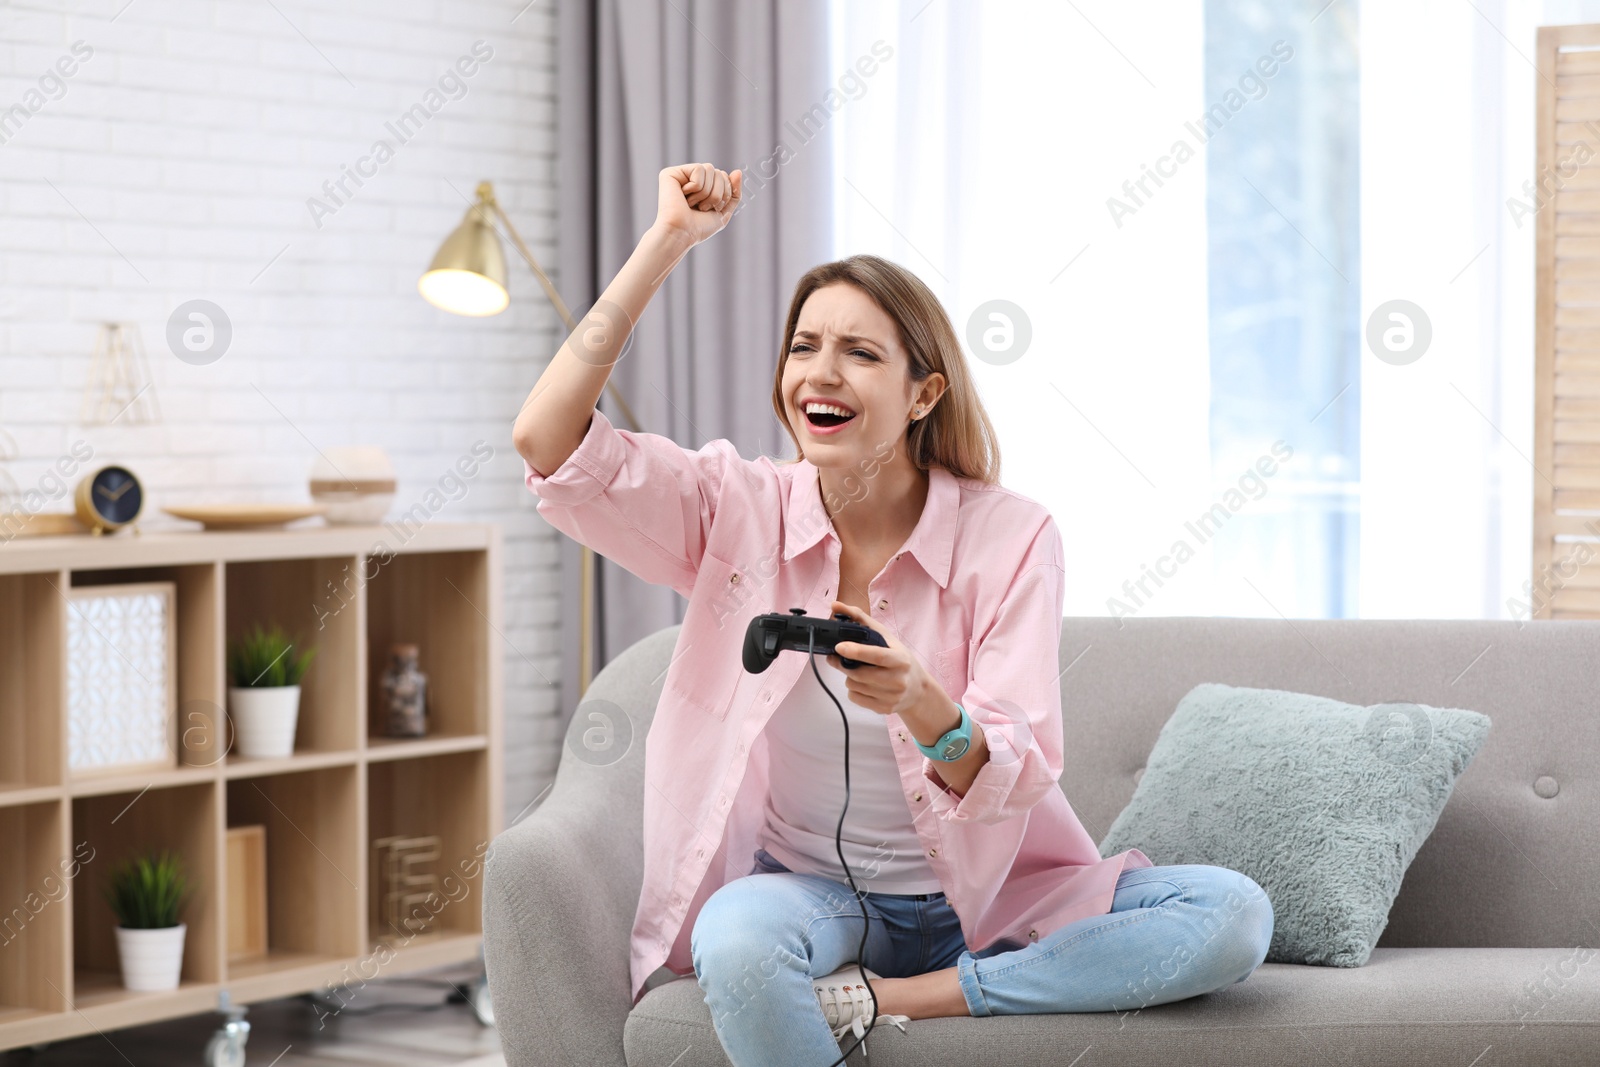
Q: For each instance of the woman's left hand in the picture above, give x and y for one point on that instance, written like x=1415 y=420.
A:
x=889 y=680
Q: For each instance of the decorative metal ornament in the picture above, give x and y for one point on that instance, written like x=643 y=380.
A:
x=10 y=492
x=119 y=387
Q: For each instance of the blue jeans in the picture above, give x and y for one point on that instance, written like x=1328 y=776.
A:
x=1173 y=932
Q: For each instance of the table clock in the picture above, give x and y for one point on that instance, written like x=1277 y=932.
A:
x=108 y=499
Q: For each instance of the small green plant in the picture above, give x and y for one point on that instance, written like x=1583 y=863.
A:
x=263 y=657
x=147 y=892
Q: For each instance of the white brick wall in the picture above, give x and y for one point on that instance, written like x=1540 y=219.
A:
x=182 y=154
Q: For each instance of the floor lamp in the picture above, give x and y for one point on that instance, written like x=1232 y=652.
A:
x=468 y=277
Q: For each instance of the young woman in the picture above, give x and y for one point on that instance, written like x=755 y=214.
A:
x=986 y=895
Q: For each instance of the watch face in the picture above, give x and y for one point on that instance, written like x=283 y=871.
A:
x=115 y=495
x=956 y=748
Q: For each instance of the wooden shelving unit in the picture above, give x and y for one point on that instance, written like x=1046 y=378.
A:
x=354 y=590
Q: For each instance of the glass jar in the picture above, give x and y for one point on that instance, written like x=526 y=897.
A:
x=405 y=694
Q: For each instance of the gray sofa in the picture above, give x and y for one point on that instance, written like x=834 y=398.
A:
x=1488 y=958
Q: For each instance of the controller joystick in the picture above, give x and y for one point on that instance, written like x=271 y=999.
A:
x=769 y=634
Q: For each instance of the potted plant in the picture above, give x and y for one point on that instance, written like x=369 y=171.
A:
x=264 y=699
x=146 y=893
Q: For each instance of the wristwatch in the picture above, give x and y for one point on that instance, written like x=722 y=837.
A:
x=953 y=744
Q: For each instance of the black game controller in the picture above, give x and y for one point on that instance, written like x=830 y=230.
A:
x=770 y=634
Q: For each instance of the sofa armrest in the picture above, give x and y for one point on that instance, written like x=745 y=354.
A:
x=557 y=913
x=560 y=886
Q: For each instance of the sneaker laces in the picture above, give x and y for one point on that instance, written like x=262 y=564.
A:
x=848 y=1008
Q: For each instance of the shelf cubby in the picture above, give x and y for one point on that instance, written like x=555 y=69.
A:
x=35 y=890
x=32 y=668
x=309 y=599
x=433 y=795
x=314 y=864
x=437 y=601
x=111 y=827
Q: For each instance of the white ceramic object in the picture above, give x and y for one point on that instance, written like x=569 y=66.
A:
x=356 y=483
x=152 y=960
x=264 y=719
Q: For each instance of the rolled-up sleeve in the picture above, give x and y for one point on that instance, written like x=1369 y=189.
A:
x=1014 y=694
x=641 y=500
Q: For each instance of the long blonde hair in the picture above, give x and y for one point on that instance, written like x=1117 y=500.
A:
x=957 y=434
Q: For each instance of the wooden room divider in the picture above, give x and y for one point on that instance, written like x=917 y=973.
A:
x=1566 y=487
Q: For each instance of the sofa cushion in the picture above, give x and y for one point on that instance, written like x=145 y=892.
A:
x=1323 y=803
x=1422 y=1007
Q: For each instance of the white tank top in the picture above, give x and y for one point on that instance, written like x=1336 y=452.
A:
x=805 y=738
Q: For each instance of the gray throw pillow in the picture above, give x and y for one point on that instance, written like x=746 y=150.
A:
x=1323 y=803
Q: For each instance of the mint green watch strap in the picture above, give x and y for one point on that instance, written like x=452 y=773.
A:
x=961 y=732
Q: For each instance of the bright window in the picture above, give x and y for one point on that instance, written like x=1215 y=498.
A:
x=1197 y=216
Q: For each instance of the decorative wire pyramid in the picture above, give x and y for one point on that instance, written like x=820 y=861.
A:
x=10 y=492
x=119 y=378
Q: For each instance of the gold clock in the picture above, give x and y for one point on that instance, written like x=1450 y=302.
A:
x=108 y=499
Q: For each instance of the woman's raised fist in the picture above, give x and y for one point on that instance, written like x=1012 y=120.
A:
x=697 y=199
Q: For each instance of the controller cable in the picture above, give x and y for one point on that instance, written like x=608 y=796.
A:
x=838 y=846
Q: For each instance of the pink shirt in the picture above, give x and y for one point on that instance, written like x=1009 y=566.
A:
x=976 y=593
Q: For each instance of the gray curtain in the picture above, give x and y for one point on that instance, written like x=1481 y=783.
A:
x=646 y=84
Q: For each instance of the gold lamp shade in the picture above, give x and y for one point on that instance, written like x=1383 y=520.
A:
x=468 y=273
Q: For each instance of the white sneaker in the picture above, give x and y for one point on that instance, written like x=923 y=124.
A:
x=847 y=1003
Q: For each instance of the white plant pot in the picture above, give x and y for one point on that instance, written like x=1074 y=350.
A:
x=152 y=960
x=264 y=719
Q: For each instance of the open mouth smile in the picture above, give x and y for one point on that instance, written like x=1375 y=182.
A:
x=826 y=418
